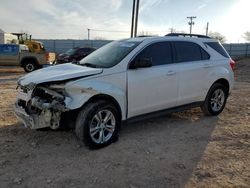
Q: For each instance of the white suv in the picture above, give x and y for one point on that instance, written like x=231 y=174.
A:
x=125 y=80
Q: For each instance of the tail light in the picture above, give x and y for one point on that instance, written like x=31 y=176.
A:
x=232 y=64
x=47 y=56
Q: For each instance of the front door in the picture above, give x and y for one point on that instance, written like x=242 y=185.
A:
x=153 y=88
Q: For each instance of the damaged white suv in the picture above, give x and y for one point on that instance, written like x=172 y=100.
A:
x=124 y=80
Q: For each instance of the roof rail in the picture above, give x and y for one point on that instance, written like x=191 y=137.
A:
x=147 y=36
x=186 y=35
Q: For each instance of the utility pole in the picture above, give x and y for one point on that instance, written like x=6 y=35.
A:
x=136 y=16
x=191 y=23
x=133 y=19
x=135 y=13
x=88 y=33
x=172 y=30
x=207 y=28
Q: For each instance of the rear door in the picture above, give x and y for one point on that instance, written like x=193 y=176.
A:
x=193 y=64
x=9 y=54
x=153 y=88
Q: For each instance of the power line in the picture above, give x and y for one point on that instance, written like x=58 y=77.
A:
x=191 y=23
x=111 y=31
x=102 y=30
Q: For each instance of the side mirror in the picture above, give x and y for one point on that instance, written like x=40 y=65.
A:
x=140 y=63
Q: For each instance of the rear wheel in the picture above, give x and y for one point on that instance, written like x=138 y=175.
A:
x=215 y=100
x=98 y=124
x=29 y=66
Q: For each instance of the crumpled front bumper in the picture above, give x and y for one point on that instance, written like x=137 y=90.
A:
x=21 y=115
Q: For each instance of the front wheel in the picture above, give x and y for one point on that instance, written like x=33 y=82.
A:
x=216 y=100
x=98 y=124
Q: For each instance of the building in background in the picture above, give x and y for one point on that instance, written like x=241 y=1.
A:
x=7 y=38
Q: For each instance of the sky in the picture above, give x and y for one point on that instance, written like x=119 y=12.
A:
x=70 y=19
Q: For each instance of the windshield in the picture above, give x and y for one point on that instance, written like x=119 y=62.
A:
x=71 y=51
x=110 y=54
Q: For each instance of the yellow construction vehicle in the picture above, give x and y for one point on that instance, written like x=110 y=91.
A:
x=34 y=46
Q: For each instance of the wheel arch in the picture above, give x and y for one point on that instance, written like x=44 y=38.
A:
x=25 y=59
x=106 y=98
x=224 y=82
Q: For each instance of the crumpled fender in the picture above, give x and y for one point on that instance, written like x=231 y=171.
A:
x=81 y=91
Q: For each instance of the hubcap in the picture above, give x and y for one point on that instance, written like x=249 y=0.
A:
x=30 y=67
x=102 y=126
x=217 y=100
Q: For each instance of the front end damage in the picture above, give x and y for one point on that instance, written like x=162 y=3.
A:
x=40 y=106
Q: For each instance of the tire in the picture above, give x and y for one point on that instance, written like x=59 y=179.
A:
x=29 y=66
x=92 y=119
x=215 y=100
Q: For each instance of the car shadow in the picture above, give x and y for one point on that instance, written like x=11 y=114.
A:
x=160 y=152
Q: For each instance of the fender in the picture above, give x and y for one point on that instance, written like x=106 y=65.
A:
x=81 y=91
x=218 y=73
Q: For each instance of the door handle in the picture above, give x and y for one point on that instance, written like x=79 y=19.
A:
x=169 y=73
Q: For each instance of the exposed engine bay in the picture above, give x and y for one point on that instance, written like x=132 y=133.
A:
x=40 y=106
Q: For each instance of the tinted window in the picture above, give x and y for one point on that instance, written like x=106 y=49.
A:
x=188 y=51
x=217 y=47
x=204 y=54
x=160 y=53
x=71 y=51
x=83 y=50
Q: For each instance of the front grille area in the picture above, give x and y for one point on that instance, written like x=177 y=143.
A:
x=39 y=92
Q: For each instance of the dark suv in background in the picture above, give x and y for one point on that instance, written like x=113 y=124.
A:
x=74 y=54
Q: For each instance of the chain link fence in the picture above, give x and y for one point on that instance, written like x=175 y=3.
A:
x=236 y=50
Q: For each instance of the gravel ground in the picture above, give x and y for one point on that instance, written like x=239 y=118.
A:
x=185 y=149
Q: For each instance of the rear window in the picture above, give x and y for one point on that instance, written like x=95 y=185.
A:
x=189 y=51
x=218 y=48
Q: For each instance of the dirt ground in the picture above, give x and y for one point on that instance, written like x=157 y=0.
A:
x=184 y=149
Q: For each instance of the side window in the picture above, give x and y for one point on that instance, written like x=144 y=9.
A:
x=82 y=51
x=217 y=47
x=160 y=53
x=189 y=51
x=35 y=47
x=204 y=54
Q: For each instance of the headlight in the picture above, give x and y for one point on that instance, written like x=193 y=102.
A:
x=48 y=93
x=59 y=88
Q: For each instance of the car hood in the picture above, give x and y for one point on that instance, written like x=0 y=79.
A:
x=58 y=73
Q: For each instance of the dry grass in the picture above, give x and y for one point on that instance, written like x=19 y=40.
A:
x=184 y=149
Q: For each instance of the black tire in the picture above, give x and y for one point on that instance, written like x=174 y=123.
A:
x=208 y=105
x=29 y=66
x=85 y=120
